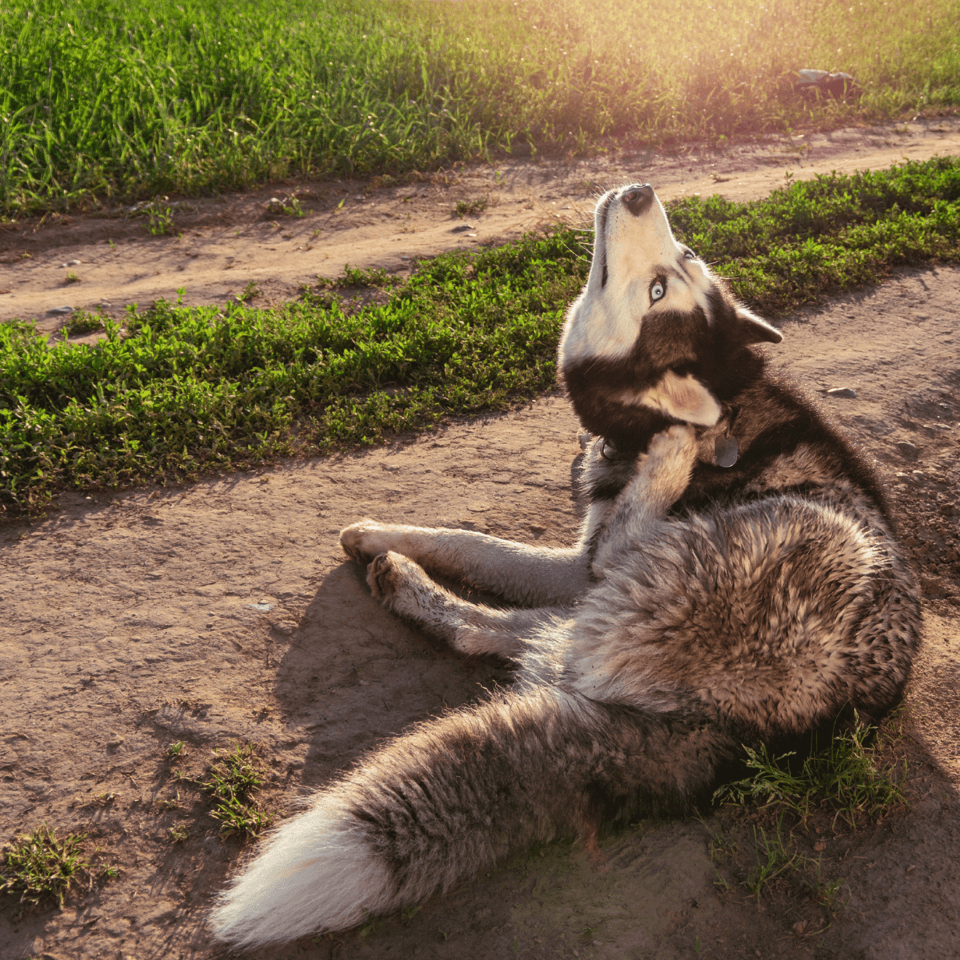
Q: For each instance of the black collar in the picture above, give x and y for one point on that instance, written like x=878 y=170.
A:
x=726 y=447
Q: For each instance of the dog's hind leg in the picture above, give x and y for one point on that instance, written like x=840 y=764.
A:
x=530 y=576
x=638 y=515
x=404 y=588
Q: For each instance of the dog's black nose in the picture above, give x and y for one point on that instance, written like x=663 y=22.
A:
x=638 y=198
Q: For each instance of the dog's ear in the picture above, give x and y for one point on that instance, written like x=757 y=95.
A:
x=683 y=398
x=754 y=330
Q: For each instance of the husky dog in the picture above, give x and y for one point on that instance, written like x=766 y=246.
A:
x=736 y=581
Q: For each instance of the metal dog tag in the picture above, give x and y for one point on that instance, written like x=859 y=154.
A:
x=726 y=451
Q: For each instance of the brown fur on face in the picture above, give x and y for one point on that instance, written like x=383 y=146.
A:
x=716 y=351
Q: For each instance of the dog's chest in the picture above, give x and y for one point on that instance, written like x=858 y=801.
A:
x=608 y=543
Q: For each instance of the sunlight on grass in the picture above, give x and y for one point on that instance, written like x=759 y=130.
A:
x=179 y=392
x=102 y=100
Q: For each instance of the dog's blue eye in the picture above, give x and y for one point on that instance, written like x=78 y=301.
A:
x=658 y=289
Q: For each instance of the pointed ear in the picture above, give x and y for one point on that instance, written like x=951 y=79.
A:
x=754 y=330
x=683 y=398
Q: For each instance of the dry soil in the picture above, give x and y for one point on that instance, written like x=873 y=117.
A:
x=225 y=611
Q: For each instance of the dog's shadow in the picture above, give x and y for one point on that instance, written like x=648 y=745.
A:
x=354 y=675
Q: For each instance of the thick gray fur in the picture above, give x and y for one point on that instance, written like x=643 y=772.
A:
x=701 y=609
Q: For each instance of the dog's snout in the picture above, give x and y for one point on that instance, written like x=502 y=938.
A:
x=638 y=198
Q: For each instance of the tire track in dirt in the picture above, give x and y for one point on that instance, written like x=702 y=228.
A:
x=221 y=246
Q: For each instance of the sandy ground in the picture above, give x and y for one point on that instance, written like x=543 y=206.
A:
x=219 y=247
x=226 y=611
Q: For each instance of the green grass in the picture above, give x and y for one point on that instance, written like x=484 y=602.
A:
x=234 y=777
x=848 y=780
x=179 y=392
x=231 y=780
x=41 y=867
x=851 y=779
x=768 y=860
x=102 y=100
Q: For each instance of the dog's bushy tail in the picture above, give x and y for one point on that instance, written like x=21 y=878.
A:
x=456 y=795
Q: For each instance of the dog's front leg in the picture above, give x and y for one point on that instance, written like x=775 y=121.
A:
x=531 y=576
x=404 y=588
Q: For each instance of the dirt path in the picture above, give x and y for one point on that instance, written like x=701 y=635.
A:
x=219 y=247
x=225 y=610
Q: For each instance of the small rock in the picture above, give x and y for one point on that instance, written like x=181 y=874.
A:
x=59 y=311
x=845 y=392
x=931 y=586
x=907 y=450
x=463 y=228
x=70 y=263
x=822 y=83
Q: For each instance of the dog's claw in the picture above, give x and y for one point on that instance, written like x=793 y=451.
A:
x=351 y=539
x=378 y=576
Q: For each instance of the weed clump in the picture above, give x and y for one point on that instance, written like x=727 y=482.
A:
x=231 y=780
x=42 y=868
x=849 y=779
x=234 y=776
x=771 y=834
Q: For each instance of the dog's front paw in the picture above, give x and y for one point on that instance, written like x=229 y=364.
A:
x=664 y=473
x=364 y=540
x=400 y=584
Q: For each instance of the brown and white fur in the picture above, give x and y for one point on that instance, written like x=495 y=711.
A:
x=703 y=607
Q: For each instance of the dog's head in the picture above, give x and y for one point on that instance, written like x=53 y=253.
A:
x=654 y=338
